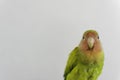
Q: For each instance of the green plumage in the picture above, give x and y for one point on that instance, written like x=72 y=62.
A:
x=83 y=67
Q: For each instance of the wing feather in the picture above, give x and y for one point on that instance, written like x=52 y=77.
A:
x=71 y=62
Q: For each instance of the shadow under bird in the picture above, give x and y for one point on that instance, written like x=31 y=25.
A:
x=86 y=60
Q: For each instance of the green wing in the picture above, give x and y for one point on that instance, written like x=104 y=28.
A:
x=71 y=63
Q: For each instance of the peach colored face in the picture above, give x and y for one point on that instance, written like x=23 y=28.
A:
x=90 y=41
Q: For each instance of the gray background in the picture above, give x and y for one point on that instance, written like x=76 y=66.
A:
x=36 y=36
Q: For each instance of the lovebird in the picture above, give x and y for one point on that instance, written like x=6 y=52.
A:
x=86 y=60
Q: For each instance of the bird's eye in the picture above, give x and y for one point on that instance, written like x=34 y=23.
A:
x=83 y=37
x=98 y=37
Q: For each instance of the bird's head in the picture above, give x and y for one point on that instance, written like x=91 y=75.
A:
x=90 y=41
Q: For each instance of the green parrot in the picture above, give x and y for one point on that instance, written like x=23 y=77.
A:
x=86 y=61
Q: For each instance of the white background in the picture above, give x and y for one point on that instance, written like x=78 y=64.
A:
x=36 y=36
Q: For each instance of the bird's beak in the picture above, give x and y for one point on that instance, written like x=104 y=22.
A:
x=90 y=42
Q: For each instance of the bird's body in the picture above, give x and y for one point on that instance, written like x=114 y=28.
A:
x=86 y=61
